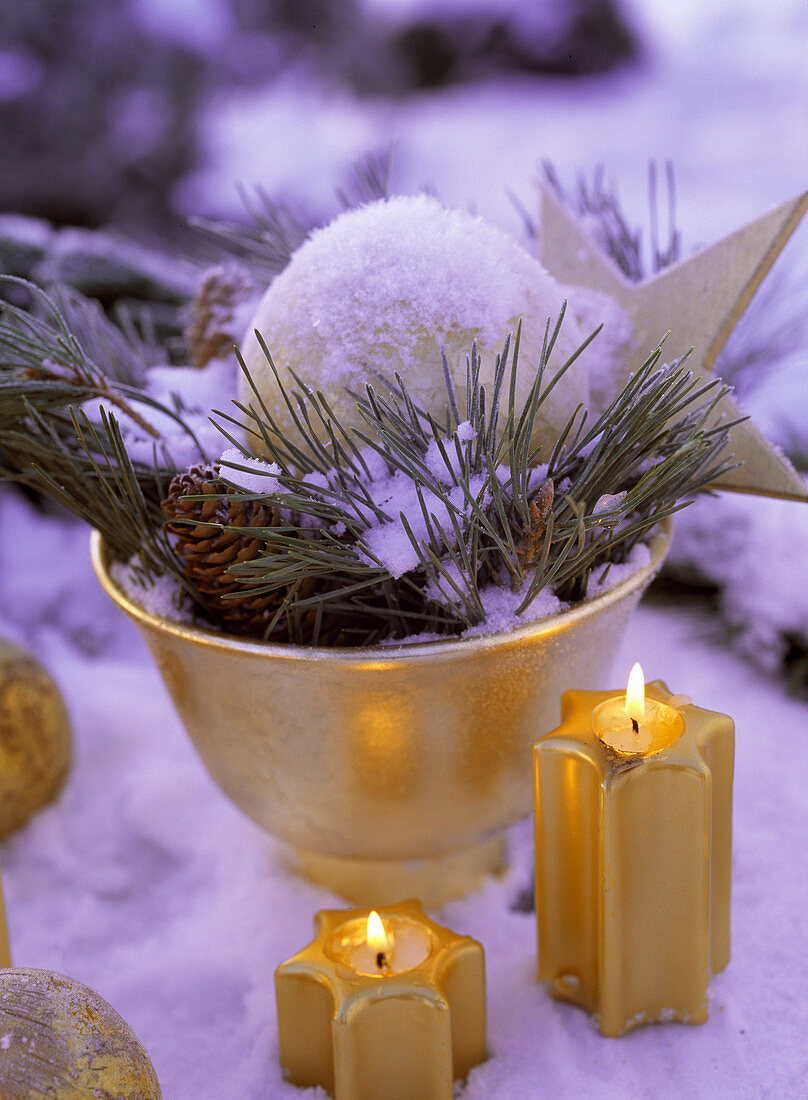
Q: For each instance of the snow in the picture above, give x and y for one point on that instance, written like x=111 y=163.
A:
x=398 y=284
x=500 y=606
x=144 y=882
x=754 y=549
x=193 y=390
x=159 y=596
x=603 y=579
x=396 y=494
x=608 y=502
x=253 y=474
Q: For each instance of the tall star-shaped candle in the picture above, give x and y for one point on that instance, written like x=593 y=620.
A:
x=633 y=800
x=700 y=300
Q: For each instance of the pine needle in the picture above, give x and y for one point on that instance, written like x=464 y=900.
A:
x=485 y=514
x=650 y=449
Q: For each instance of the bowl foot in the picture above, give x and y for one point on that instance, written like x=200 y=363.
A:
x=368 y=883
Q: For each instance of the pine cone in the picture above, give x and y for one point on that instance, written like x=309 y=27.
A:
x=213 y=326
x=207 y=551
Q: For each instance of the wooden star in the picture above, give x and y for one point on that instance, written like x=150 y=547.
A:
x=700 y=300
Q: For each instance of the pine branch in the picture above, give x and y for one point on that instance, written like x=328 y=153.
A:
x=481 y=511
x=102 y=486
x=49 y=371
x=266 y=245
x=487 y=515
x=275 y=229
x=370 y=180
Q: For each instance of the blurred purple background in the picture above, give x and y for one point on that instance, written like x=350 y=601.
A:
x=135 y=113
x=106 y=108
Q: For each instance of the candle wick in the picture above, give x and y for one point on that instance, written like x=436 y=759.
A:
x=381 y=960
x=635 y=725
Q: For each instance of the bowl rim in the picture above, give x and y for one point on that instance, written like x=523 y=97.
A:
x=379 y=655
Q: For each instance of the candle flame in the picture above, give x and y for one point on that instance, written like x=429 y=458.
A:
x=377 y=937
x=635 y=694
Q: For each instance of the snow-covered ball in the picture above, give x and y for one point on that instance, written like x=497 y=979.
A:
x=390 y=285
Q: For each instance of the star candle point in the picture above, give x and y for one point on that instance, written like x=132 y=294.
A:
x=321 y=952
x=700 y=300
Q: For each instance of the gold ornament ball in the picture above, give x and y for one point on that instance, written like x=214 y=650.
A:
x=58 y=1038
x=35 y=741
x=389 y=286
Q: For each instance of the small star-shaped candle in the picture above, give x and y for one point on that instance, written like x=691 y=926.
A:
x=633 y=799
x=700 y=300
x=382 y=1005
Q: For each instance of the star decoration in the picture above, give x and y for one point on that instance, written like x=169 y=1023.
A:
x=700 y=300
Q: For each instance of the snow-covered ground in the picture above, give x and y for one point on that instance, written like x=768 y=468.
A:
x=146 y=884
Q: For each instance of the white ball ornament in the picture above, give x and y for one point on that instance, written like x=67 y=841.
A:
x=389 y=286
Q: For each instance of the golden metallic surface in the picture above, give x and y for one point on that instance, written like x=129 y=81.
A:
x=633 y=863
x=392 y=754
x=35 y=741
x=5 y=951
x=372 y=882
x=60 y=1039
x=700 y=300
x=382 y=1036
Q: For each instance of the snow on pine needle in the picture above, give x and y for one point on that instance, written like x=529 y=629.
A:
x=402 y=527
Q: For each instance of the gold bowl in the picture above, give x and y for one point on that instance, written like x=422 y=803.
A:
x=392 y=771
